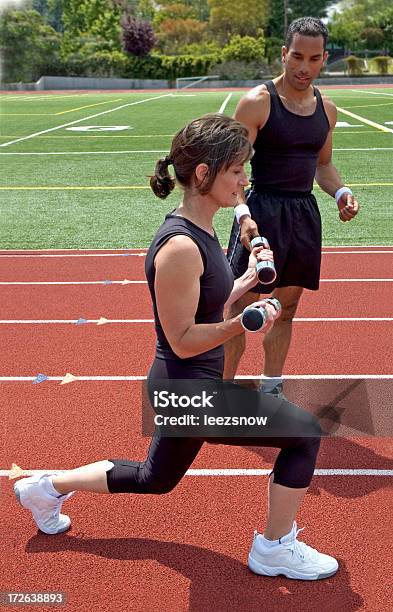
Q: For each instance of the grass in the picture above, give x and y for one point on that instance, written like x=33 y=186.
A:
x=103 y=200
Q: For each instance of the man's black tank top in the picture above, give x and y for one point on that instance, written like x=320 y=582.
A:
x=287 y=147
x=216 y=282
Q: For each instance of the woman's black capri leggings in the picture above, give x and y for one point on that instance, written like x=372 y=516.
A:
x=169 y=458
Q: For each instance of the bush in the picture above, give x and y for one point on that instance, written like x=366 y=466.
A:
x=381 y=63
x=244 y=49
x=137 y=35
x=176 y=66
x=354 y=65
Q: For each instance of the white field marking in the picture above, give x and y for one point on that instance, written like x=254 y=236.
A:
x=111 y=110
x=85 y=152
x=240 y=377
x=366 y=121
x=143 y=282
x=131 y=187
x=345 y=124
x=101 y=187
x=236 y=472
x=39 y=96
x=367 y=149
x=136 y=321
x=127 y=152
x=374 y=93
x=223 y=105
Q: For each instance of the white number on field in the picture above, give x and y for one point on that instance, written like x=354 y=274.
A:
x=345 y=124
x=99 y=128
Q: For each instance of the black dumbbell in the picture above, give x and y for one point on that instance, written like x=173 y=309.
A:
x=255 y=317
x=266 y=271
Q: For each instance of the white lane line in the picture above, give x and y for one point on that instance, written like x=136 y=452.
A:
x=99 y=251
x=135 y=321
x=66 y=251
x=241 y=377
x=223 y=105
x=352 y=252
x=58 y=127
x=143 y=282
x=354 y=280
x=237 y=472
x=259 y=472
x=383 y=128
x=78 y=255
x=20 y=253
x=124 y=282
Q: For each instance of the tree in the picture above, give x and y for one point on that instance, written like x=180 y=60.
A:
x=28 y=45
x=173 y=11
x=355 y=24
x=138 y=36
x=372 y=38
x=295 y=9
x=174 y=34
x=384 y=21
x=87 y=19
x=244 y=17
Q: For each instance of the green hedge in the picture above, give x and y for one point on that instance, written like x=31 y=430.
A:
x=118 y=64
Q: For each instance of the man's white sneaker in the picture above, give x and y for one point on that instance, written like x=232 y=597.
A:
x=290 y=558
x=32 y=494
x=277 y=391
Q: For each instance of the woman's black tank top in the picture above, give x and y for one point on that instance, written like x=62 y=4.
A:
x=216 y=282
x=287 y=147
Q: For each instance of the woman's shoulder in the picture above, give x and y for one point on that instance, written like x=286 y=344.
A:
x=180 y=255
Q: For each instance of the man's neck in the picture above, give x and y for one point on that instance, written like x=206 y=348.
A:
x=290 y=93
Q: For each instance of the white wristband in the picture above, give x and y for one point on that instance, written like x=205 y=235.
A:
x=341 y=192
x=240 y=210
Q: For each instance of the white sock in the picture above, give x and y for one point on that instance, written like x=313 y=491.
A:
x=49 y=488
x=269 y=543
x=269 y=382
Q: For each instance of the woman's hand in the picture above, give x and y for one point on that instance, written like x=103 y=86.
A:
x=271 y=312
x=259 y=254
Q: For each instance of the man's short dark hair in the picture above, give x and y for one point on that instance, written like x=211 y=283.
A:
x=306 y=26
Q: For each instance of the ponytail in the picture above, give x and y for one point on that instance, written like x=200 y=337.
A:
x=161 y=182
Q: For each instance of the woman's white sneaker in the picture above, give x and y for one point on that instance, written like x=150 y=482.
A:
x=290 y=558
x=33 y=495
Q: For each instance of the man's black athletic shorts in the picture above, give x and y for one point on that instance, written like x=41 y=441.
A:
x=291 y=222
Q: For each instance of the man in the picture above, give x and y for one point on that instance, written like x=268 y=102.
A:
x=290 y=125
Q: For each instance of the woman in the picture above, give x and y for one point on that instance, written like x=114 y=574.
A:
x=185 y=260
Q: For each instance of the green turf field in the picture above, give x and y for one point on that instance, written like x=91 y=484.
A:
x=61 y=188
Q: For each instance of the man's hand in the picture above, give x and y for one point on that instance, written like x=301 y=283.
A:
x=348 y=207
x=257 y=254
x=248 y=231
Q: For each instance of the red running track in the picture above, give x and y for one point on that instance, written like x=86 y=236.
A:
x=118 y=267
x=358 y=299
x=127 y=350
x=186 y=550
